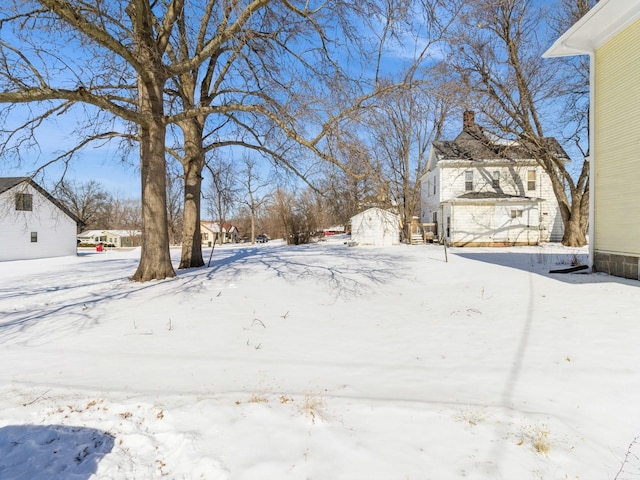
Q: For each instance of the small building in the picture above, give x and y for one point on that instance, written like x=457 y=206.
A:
x=111 y=238
x=480 y=190
x=610 y=34
x=212 y=232
x=33 y=224
x=375 y=227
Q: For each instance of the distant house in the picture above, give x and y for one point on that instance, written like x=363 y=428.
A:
x=610 y=34
x=116 y=238
x=33 y=224
x=480 y=190
x=211 y=232
x=375 y=227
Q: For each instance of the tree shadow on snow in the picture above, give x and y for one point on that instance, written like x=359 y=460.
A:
x=351 y=272
x=40 y=452
x=542 y=263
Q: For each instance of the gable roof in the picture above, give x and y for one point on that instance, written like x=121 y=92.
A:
x=7 y=183
x=475 y=145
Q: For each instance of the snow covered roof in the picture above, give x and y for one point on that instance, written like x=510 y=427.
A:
x=116 y=233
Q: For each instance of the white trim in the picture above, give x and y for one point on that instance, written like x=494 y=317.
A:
x=605 y=20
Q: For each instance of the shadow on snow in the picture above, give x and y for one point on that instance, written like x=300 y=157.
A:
x=51 y=451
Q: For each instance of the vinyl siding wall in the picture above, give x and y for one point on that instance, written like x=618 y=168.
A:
x=56 y=231
x=617 y=145
x=492 y=224
x=450 y=184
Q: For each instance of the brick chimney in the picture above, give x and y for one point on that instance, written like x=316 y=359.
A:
x=468 y=119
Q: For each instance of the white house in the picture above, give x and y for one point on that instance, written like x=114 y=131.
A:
x=483 y=191
x=610 y=34
x=116 y=238
x=211 y=232
x=376 y=227
x=33 y=224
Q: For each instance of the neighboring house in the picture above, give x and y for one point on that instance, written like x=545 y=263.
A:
x=376 y=227
x=610 y=34
x=211 y=232
x=33 y=224
x=116 y=238
x=483 y=191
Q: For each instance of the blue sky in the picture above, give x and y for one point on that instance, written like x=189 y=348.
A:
x=104 y=163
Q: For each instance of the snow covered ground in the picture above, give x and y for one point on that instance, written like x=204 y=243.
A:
x=320 y=362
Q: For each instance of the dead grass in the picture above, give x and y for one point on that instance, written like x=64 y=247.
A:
x=313 y=407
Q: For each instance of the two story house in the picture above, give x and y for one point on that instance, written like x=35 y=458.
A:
x=480 y=190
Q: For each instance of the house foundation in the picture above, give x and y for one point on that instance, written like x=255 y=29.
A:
x=626 y=266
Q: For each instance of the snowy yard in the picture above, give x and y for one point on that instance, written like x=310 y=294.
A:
x=320 y=362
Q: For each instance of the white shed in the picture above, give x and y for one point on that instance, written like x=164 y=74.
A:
x=32 y=223
x=376 y=227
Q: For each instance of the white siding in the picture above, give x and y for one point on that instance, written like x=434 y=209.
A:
x=492 y=224
x=449 y=176
x=617 y=151
x=56 y=231
x=375 y=227
x=430 y=201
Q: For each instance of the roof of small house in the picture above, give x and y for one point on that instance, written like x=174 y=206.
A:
x=474 y=143
x=488 y=196
x=215 y=227
x=7 y=183
x=117 y=233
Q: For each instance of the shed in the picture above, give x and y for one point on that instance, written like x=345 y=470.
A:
x=376 y=227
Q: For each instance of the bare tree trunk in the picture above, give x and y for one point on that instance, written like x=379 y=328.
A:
x=193 y=164
x=155 y=260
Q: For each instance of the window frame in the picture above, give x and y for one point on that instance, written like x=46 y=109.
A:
x=531 y=183
x=24 y=202
x=495 y=180
x=468 y=180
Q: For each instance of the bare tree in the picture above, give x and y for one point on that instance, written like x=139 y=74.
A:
x=497 y=52
x=403 y=127
x=134 y=36
x=175 y=195
x=253 y=195
x=88 y=201
x=123 y=214
x=223 y=191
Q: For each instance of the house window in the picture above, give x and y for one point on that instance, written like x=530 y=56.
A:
x=468 y=180
x=496 y=179
x=24 y=202
x=516 y=213
x=434 y=185
x=34 y=237
x=205 y=236
x=531 y=180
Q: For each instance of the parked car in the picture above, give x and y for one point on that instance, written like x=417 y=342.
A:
x=262 y=238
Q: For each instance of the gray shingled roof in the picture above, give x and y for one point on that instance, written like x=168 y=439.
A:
x=9 y=182
x=473 y=144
